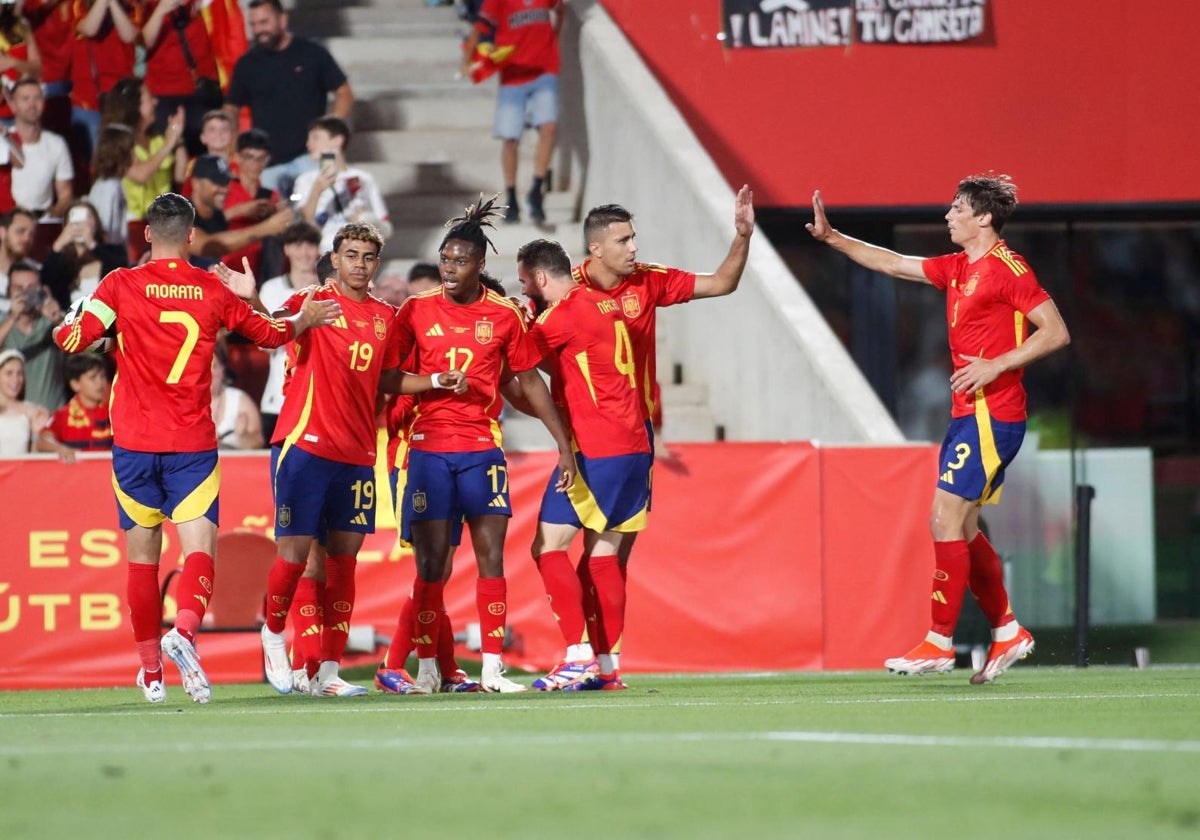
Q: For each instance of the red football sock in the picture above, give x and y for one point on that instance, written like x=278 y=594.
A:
x=610 y=596
x=338 y=605
x=194 y=592
x=951 y=570
x=591 y=609
x=447 y=664
x=565 y=594
x=987 y=582
x=402 y=639
x=281 y=588
x=428 y=606
x=491 y=599
x=145 y=611
x=306 y=622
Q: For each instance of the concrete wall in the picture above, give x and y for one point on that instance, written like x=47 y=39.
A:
x=774 y=368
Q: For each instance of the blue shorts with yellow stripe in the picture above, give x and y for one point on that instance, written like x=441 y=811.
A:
x=451 y=485
x=314 y=495
x=155 y=486
x=399 y=479
x=608 y=494
x=974 y=453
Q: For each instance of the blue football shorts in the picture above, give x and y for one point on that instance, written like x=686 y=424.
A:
x=314 y=495
x=155 y=486
x=399 y=479
x=974 y=453
x=608 y=494
x=453 y=485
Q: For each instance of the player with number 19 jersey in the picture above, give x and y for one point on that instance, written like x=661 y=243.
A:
x=638 y=297
x=329 y=407
x=167 y=315
x=477 y=339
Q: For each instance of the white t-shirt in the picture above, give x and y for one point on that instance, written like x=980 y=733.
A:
x=108 y=197
x=273 y=294
x=357 y=200
x=46 y=161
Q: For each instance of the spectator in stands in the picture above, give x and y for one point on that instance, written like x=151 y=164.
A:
x=20 y=58
x=10 y=158
x=249 y=202
x=80 y=256
x=53 y=25
x=17 y=229
x=181 y=71
x=44 y=183
x=285 y=81
x=239 y=425
x=102 y=54
x=18 y=418
x=528 y=86
x=301 y=245
x=82 y=425
x=33 y=315
x=114 y=153
x=216 y=136
x=213 y=239
x=390 y=288
x=159 y=160
x=338 y=194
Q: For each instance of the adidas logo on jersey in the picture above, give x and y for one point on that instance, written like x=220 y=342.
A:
x=948 y=477
x=361 y=519
x=498 y=633
x=499 y=502
x=435 y=330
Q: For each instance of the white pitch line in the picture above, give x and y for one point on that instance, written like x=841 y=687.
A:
x=869 y=739
x=1001 y=698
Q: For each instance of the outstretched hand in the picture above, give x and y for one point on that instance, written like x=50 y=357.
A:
x=317 y=313
x=743 y=211
x=819 y=226
x=454 y=381
x=241 y=283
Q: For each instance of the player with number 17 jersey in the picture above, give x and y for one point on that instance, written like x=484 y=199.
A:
x=477 y=339
x=638 y=297
x=329 y=409
x=167 y=315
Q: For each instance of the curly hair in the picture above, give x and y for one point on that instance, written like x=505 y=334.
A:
x=360 y=231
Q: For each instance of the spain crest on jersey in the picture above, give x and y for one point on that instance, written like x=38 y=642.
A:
x=483 y=332
x=631 y=305
x=284 y=516
x=969 y=288
x=380 y=327
x=420 y=503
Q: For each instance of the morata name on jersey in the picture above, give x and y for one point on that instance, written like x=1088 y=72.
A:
x=174 y=291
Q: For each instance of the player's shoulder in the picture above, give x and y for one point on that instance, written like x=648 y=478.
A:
x=649 y=269
x=504 y=304
x=1007 y=261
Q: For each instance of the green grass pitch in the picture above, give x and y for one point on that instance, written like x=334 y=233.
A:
x=1043 y=752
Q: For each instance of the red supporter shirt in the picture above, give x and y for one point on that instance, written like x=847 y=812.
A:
x=80 y=427
x=639 y=295
x=527 y=26
x=167 y=70
x=329 y=403
x=167 y=315
x=18 y=51
x=99 y=62
x=986 y=305
x=595 y=376
x=53 y=29
x=475 y=338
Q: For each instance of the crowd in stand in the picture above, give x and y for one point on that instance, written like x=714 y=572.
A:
x=109 y=103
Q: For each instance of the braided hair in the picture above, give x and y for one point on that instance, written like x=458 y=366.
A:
x=469 y=227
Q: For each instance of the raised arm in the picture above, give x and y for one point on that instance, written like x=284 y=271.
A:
x=865 y=254
x=727 y=276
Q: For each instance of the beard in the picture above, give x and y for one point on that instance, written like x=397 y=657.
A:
x=269 y=40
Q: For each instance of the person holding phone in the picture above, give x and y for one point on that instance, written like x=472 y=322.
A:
x=28 y=328
x=336 y=193
x=80 y=255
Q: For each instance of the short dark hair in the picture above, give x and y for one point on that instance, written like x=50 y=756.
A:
x=424 y=271
x=254 y=138
x=170 y=217
x=76 y=365
x=325 y=268
x=22 y=82
x=300 y=231
x=989 y=192
x=546 y=255
x=7 y=218
x=274 y=4
x=599 y=218
x=22 y=265
x=361 y=231
x=488 y=281
x=334 y=126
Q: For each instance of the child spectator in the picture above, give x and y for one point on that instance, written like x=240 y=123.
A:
x=82 y=424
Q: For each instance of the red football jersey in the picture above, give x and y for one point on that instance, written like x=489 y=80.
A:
x=526 y=26
x=80 y=427
x=475 y=338
x=596 y=377
x=986 y=305
x=329 y=404
x=398 y=416
x=638 y=296
x=167 y=314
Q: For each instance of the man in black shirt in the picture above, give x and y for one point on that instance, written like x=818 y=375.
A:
x=212 y=240
x=285 y=81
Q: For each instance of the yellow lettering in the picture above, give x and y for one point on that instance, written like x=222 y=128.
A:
x=14 y=610
x=99 y=548
x=49 y=605
x=48 y=550
x=99 y=611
